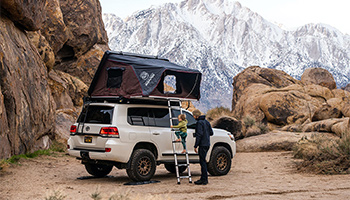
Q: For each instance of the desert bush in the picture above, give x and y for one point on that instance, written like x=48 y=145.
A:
x=56 y=195
x=263 y=128
x=218 y=112
x=248 y=121
x=322 y=154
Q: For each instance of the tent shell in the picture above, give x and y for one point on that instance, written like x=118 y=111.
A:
x=127 y=75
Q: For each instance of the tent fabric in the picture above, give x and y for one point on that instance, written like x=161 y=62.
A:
x=127 y=75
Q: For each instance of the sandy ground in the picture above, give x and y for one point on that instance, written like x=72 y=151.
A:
x=266 y=175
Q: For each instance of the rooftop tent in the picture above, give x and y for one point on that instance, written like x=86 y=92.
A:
x=132 y=75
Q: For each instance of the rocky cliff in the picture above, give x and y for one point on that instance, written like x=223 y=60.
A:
x=49 y=50
x=273 y=98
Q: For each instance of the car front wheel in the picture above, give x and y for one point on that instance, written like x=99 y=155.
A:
x=220 y=161
x=142 y=165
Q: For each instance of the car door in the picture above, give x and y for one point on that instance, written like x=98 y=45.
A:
x=161 y=133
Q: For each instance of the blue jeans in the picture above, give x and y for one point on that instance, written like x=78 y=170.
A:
x=183 y=136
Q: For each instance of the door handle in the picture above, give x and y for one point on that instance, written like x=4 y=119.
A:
x=156 y=133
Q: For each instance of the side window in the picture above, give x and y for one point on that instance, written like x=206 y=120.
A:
x=139 y=116
x=161 y=117
x=175 y=113
x=115 y=77
x=191 y=120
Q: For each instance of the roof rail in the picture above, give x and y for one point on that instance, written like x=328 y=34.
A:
x=137 y=55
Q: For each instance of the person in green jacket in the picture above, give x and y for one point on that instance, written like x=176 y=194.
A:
x=182 y=133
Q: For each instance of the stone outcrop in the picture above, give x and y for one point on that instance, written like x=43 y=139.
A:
x=318 y=76
x=27 y=109
x=29 y=15
x=312 y=104
x=272 y=141
x=49 y=51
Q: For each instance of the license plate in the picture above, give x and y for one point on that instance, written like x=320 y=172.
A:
x=87 y=139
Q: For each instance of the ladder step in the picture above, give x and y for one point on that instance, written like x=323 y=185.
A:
x=184 y=176
x=183 y=165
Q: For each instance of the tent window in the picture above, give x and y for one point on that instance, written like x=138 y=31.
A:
x=115 y=77
x=169 y=84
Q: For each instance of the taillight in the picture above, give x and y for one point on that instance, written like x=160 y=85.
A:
x=108 y=149
x=109 y=131
x=73 y=129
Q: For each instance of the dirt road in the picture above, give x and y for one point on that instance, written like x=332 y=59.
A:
x=267 y=175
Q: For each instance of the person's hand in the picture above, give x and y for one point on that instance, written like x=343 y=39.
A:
x=171 y=126
x=195 y=150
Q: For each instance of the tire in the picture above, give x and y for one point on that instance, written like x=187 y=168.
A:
x=171 y=168
x=220 y=161
x=98 y=170
x=142 y=165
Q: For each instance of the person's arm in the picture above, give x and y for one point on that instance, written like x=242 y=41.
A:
x=180 y=125
x=199 y=134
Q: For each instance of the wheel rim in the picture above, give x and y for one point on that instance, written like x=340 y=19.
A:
x=144 y=166
x=221 y=162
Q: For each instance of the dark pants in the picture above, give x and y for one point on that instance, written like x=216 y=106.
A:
x=182 y=135
x=202 y=151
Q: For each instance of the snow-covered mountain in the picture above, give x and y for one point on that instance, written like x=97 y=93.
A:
x=221 y=38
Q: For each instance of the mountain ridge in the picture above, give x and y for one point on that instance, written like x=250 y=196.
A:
x=221 y=38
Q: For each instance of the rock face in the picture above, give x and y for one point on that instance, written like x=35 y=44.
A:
x=47 y=47
x=318 y=76
x=27 y=106
x=274 y=98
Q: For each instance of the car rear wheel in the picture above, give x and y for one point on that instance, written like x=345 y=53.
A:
x=171 y=168
x=220 y=161
x=142 y=165
x=98 y=170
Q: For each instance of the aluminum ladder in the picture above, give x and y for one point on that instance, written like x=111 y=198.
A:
x=171 y=105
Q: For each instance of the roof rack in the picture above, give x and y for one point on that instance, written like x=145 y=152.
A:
x=132 y=100
x=137 y=55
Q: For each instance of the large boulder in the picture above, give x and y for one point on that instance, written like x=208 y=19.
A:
x=230 y=124
x=347 y=87
x=54 y=28
x=84 y=21
x=84 y=66
x=323 y=125
x=26 y=100
x=326 y=111
x=257 y=75
x=284 y=107
x=29 y=14
x=318 y=76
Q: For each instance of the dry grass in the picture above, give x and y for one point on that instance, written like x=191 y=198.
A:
x=218 y=112
x=325 y=155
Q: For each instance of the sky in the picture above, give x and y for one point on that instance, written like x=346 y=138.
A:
x=290 y=13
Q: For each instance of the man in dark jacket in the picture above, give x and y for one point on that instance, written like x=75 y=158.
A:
x=203 y=133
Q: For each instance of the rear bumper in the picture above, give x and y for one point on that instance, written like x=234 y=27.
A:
x=120 y=152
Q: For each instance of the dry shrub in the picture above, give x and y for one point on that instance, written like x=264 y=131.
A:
x=218 y=112
x=325 y=155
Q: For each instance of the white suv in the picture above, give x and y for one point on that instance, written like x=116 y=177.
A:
x=135 y=135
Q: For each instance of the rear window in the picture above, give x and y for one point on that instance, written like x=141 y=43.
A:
x=96 y=115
